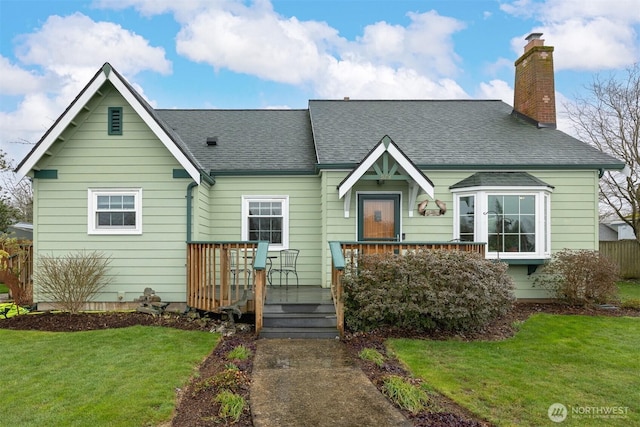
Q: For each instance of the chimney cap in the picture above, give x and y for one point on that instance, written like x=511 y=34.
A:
x=533 y=36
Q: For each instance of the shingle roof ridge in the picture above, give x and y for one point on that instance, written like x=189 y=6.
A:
x=231 y=109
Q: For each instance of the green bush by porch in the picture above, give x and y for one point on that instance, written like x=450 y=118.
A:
x=426 y=290
x=115 y=377
x=578 y=361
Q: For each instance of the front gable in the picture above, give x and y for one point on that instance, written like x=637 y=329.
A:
x=386 y=162
x=104 y=81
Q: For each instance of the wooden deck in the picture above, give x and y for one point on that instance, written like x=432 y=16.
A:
x=221 y=275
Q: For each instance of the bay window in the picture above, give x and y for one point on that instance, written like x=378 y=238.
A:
x=512 y=219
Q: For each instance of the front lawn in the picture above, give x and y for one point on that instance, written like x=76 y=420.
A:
x=4 y=289
x=112 y=377
x=628 y=290
x=588 y=364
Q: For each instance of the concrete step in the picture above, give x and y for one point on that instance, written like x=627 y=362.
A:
x=307 y=333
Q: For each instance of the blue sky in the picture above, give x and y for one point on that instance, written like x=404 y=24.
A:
x=280 y=54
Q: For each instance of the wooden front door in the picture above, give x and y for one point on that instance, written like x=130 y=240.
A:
x=379 y=217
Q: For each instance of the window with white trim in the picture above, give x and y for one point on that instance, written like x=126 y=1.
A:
x=115 y=211
x=514 y=222
x=266 y=218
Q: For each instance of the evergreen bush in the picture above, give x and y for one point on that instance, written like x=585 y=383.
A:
x=426 y=290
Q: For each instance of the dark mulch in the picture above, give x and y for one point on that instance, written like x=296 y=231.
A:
x=196 y=402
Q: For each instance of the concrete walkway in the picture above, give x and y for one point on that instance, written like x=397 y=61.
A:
x=298 y=382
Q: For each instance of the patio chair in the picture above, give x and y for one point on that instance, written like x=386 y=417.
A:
x=288 y=264
x=238 y=266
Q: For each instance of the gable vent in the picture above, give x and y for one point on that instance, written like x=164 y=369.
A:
x=115 y=120
x=212 y=140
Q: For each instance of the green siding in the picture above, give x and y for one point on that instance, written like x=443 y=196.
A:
x=90 y=158
x=87 y=157
x=574 y=215
x=304 y=215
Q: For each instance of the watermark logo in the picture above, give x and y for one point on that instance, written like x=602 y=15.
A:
x=557 y=412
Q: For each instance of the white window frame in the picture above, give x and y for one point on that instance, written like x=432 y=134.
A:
x=542 y=211
x=285 y=218
x=92 y=225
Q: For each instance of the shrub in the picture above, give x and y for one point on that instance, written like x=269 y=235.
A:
x=73 y=279
x=580 y=277
x=431 y=289
x=631 y=303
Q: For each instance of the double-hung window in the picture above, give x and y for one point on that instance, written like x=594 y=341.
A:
x=115 y=211
x=266 y=218
x=512 y=218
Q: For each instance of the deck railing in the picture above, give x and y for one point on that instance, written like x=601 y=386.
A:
x=221 y=275
x=347 y=253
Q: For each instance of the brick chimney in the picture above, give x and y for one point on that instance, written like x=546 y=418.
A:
x=534 y=89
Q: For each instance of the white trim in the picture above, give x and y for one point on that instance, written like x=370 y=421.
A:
x=155 y=127
x=84 y=98
x=92 y=197
x=59 y=127
x=244 y=230
x=373 y=157
x=542 y=210
x=367 y=162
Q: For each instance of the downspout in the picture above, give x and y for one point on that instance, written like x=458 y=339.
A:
x=189 y=197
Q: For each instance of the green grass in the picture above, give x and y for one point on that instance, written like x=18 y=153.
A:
x=239 y=353
x=372 y=355
x=629 y=290
x=114 y=377
x=4 y=289
x=231 y=405
x=579 y=361
x=404 y=394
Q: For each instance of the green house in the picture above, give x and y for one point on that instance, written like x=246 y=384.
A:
x=140 y=184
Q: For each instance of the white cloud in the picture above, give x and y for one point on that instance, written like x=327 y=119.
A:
x=587 y=35
x=496 y=89
x=56 y=62
x=291 y=53
x=386 y=61
x=73 y=45
x=17 y=81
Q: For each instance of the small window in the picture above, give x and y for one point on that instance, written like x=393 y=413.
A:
x=115 y=211
x=266 y=218
x=115 y=120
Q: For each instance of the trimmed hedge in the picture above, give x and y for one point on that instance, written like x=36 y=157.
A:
x=426 y=290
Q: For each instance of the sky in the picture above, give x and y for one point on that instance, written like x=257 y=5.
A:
x=234 y=54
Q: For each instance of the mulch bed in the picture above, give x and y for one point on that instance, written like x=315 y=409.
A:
x=196 y=404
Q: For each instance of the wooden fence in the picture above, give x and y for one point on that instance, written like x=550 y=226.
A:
x=626 y=253
x=17 y=271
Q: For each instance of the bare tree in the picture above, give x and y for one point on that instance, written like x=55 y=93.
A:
x=608 y=117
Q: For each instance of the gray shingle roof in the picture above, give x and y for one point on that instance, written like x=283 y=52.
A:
x=438 y=134
x=500 y=179
x=248 y=140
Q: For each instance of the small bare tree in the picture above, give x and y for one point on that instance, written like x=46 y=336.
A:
x=73 y=279
x=609 y=119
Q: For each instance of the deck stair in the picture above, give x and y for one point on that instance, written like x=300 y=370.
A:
x=313 y=318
